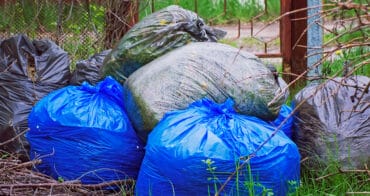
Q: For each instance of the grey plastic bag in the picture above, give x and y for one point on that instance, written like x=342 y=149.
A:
x=197 y=70
x=333 y=123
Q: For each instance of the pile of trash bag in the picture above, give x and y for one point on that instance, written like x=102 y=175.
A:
x=197 y=70
x=29 y=70
x=193 y=152
x=83 y=133
x=333 y=122
x=155 y=35
x=89 y=70
x=206 y=105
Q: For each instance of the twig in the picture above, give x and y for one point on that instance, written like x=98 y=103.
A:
x=23 y=165
x=14 y=138
x=342 y=171
x=68 y=184
x=358 y=193
x=353 y=170
x=325 y=176
x=304 y=159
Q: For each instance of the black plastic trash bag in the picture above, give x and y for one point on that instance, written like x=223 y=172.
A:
x=89 y=70
x=28 y=71
x=333 y=123
x=194 y=151
x=213 y=70
x=82 y=133
x=155 y=35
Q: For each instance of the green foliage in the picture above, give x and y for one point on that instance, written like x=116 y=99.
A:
x=214 y=12
x=82 y=27
x=60 y=179
x=79 y=47
x=357 y=59
x=343 y=13
x=331 y=181
x=27 y=16
x=347 y=35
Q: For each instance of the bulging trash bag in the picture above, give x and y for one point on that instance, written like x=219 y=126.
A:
x=89 y=70
x=155 y=35
x=197 y=70
x=29 y=70
x=194 y=151
x=333 y=122
x=82 y=133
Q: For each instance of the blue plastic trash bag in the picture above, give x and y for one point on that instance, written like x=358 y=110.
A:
x=284 y=113
x=83 y=133
x=194 y=151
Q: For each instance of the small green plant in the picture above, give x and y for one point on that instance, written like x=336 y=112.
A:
x=254 y=186
x=5 y=155
x=60 y=179
x=293 y=186
x=212 y=170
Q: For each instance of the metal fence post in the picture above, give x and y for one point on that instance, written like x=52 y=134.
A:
x=314 y=39
x=293 y=40
x=285 y=39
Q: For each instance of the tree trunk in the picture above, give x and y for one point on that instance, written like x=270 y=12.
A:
x=120 y=16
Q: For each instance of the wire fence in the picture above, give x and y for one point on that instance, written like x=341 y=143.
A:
x=248 y=22
x=79 y=26
x=76 y=26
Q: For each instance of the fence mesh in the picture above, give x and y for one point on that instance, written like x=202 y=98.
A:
x=248 y=22
x=77 y=26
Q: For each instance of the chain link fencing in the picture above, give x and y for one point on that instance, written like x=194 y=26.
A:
x=76 y=26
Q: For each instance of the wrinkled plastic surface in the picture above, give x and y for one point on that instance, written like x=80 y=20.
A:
x=334 y=122
x=82 y=132
x=285 y=119
x=213 y=70
x=176 y=156
x=89 y=70
x=29 y=70
x=153 y=36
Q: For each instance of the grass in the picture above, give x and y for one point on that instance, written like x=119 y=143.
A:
x=332 y=181
x=326 y=179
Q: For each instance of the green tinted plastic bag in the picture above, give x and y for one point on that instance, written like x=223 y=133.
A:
x=155 y=35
